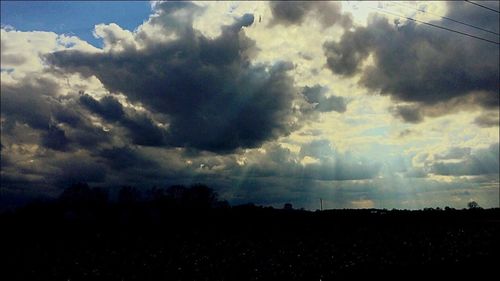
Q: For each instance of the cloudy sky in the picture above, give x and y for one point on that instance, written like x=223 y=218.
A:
x=266 y=102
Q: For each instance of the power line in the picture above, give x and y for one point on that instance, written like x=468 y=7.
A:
x=446 y=18
x=438 y=26
x=488 y=8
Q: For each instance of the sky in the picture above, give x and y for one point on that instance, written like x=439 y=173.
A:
x=266 y=102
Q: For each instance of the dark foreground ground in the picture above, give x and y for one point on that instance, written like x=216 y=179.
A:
x=138 y=242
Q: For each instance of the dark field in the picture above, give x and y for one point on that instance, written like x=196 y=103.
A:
x=143 y=241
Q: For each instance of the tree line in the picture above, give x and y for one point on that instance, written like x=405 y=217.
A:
x=175 y=196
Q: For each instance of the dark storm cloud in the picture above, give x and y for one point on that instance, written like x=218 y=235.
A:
x=420 y=64
x=214 y=98
x=30 y=167
x=316 y=95
x=487 y=120
x=55 y=138
x=405 y=133
x=454 y=153
x=295 y=12
x=68 y=115
x=34 y=102
x=27 y=102
x=345 y=57
x=108 y=107
x=289 y=13
x=476 y=15
x=481 y=162
x=78 y=169
x=88 y=136
x=142 y=130
x=121 y=158
x=408 y=113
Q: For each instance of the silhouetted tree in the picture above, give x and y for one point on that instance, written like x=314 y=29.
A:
x=174 y=196
x=176 y=192
x=222 y=204
x=99 y=195
x=201 y=196
x=156 y=194
x=81 y=193
x=473 y=205
x=128 y=195
x=197 y=196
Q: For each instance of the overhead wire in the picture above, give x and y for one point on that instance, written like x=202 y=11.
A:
x=482 y=6
x=436 y=26
x=446 y=18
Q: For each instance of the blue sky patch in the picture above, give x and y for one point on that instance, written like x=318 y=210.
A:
x=76 y=18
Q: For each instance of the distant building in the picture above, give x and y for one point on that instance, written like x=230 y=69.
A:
x=288 y=206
